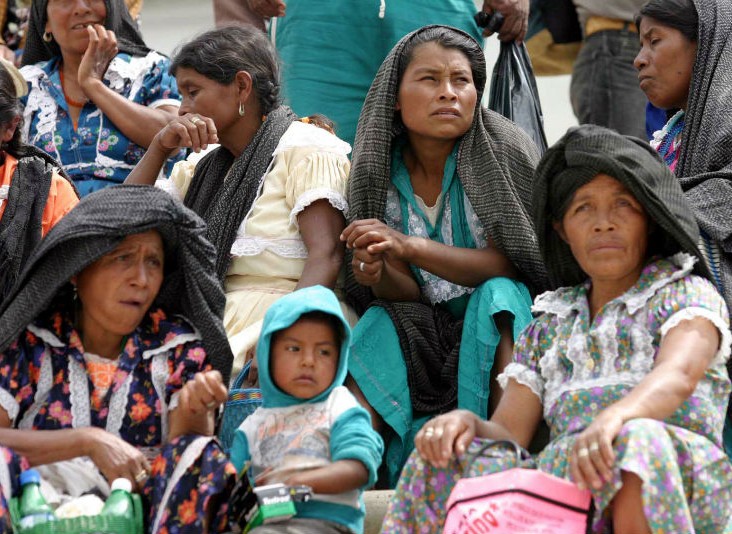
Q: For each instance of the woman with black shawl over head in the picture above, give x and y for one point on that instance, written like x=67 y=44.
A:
x=685 y=66
x=113 y=358
x=273 y=192
x=438 y=196
x=34 y=195
x=98 y=94
x=625 y=360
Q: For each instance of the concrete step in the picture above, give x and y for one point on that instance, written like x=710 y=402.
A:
x=375 y=501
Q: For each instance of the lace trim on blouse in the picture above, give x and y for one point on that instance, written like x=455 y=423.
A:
x=79 y=396
x=119 y=73
x=435 y=289
x=725 y=342
x=523 y=375
x=334 y=198
x=251 y=245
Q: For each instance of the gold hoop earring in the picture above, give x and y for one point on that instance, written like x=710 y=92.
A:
x=47 y=36
x=242 y=111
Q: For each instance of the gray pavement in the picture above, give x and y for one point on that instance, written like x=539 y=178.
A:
x=168 y=23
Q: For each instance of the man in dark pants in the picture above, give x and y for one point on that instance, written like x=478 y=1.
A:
x=604 y=87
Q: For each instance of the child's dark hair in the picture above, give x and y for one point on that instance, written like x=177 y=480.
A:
x=321 y=121
x=331 y=320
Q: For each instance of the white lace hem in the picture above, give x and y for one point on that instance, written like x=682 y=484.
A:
x=725 y=344
x=9 y=404
x=523 y=375
x=250 y=245
x=180 y=339
x=334 y=198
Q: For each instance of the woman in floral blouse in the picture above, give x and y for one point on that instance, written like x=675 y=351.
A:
x=626 y=362
x=113 y=354
x=97 y=93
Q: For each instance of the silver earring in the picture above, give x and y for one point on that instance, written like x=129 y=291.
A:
x=47 y=36
x=242 y=111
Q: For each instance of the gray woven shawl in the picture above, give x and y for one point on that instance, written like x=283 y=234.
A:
x=93 y=228
x=495 y=164
x=21 y=224
x=223 y=188
x=705 y=162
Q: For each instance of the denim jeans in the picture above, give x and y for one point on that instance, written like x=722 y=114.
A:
x=604 y=88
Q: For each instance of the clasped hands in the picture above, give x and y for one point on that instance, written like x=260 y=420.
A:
x=372 y=242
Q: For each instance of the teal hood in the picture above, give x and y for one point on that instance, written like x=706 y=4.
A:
x=284 y=313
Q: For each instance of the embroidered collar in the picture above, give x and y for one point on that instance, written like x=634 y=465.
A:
x=155 y=334
x=658 y=273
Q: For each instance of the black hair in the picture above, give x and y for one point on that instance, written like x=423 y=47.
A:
x=447 y=37
x=10 y=108
x=320 y=316
x=680 y=15
x=219 y=54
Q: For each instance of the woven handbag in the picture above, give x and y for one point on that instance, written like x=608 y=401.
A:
x=240 y=403
x=518 y=500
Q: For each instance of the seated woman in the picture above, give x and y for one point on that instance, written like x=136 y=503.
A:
x=98 y=94
x=273 y=193
x=684 y=65
x=438 y=196
x=626 y=363
x=112 y=348
x=33 y=195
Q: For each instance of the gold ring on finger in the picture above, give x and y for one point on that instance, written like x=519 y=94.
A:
x=429 y=432
x=141 y=476
x=584 y=452
x=211 y=405
x=361 y=266
x=195 y=120
x=594 y=446
x=439 y=431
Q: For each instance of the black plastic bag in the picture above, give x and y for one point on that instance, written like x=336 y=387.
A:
x=514 y=94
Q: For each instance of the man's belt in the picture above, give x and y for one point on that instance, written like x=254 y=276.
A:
x=600 y=24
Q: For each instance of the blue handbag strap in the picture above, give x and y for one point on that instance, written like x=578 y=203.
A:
x=243 y=374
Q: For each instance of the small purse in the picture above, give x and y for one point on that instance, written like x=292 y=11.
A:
x=517 y=500
x=240 y=403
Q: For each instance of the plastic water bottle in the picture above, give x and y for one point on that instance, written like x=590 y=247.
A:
x=34 y=509
x=119 y=503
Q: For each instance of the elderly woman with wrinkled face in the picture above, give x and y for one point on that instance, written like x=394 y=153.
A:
x=625 y=360
x=112 y=353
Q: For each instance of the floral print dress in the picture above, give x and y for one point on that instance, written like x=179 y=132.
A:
x=579 y=367
x=45 y=385
x=94 y=152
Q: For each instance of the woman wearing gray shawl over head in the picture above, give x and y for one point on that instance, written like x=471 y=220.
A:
x=685 y=65
x=625 y=361
x=114 y=358
x=440 y=232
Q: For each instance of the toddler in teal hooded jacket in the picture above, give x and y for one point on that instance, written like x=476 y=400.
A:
x=310 y=429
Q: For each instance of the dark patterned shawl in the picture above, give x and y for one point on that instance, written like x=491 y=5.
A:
x=20 y=226
x=495 y=164
x=579 y=156
x=223 y=203
x=96 y=226
x=705 y=161
x=129 y=40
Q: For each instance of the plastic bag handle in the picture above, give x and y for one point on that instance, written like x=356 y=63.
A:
x=520 y=452
x=243 y=374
